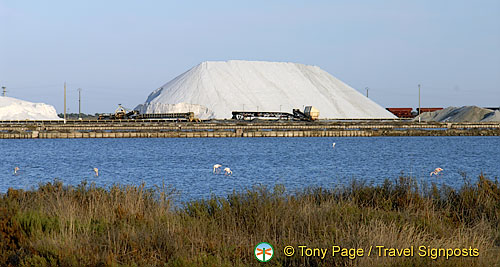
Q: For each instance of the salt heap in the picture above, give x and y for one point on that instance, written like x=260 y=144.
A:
x=16 y=109
x=461 y=114
x=216 y=88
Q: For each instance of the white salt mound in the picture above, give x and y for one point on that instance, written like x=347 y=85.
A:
x=460 y=114
x=16 y=109
x=216 y=88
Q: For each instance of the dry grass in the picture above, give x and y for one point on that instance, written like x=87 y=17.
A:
x=128 y=225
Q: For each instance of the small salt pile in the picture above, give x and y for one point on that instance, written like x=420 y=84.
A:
x=16 y=109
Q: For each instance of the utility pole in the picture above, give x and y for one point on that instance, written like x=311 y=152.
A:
x=64 y=102
x=419 y=108
x=79 y=103
x=367 y=91
x=4 y=90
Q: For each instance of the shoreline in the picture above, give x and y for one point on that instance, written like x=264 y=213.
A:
x=169 y=129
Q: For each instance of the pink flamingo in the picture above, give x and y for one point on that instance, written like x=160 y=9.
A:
x=228 y=171
x=436 y=171
x=217 y=168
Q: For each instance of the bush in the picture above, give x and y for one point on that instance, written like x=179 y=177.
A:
x=132 y=225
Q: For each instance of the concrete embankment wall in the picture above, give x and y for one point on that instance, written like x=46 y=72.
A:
x=50 y=135
x=120 y=129
x=180 y=134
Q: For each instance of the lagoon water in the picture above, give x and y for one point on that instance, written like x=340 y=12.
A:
x=186 y=164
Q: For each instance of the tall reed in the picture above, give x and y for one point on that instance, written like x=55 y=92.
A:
x=133 y=225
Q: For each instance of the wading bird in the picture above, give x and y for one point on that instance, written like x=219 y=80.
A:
x=333 y=145
x=436 y=171
x=217 y=168
x=15 y=170
x=96 y=170
x=228 y=171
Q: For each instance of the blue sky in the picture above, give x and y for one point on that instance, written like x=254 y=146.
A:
x=120 y=51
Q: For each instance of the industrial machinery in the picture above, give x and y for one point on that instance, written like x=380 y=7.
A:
x=122 y=114
x=310 y=114
x=422 y=110
x=242 y=115
x=189 y=116
x=408 y=112
x=401 y=112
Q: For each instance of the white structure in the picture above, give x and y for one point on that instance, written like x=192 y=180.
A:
x=215 y=89
x=16 y=109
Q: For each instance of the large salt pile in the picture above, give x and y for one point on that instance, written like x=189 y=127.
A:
x=460 y=114
x=16 y=109
x=215 y=89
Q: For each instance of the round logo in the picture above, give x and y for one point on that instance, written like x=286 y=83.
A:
x=264 y=252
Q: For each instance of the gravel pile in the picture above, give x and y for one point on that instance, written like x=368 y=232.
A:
x=461 y=114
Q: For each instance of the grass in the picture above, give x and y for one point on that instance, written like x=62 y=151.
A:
x=57 y=225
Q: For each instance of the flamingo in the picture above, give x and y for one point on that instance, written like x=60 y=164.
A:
x=217 y=168
x=436 y=171
x=96 y=170
x=15 y=170
x=228 y=171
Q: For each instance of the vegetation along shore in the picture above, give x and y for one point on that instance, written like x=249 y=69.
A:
x=60 y=225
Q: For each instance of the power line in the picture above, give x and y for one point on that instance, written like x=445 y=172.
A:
x=419 y=109
x=64 y=102
x=79 y=103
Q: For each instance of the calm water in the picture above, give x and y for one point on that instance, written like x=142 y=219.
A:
x=186 y=164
